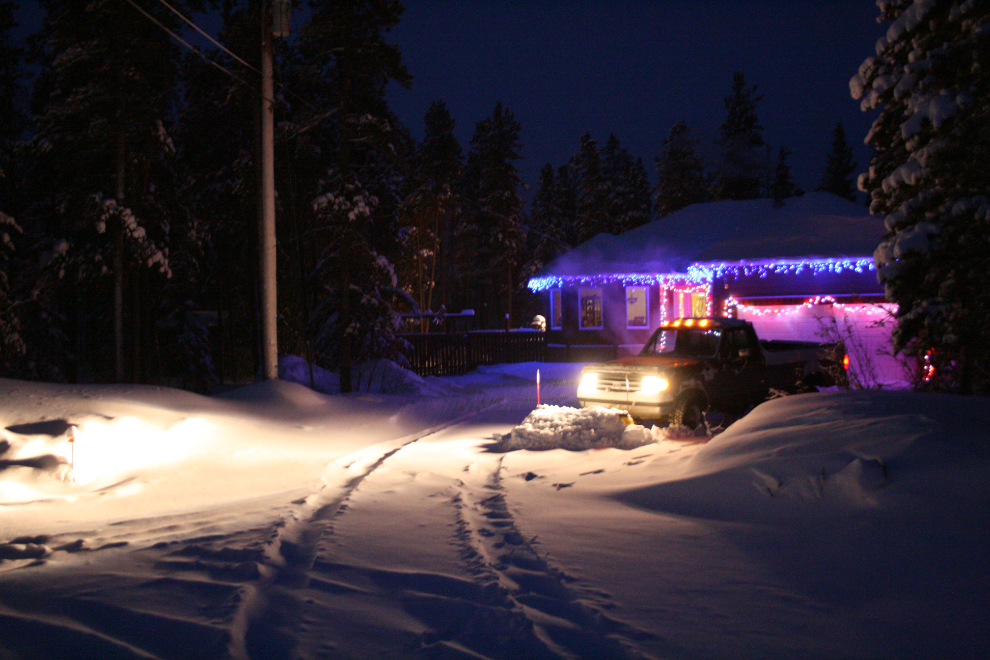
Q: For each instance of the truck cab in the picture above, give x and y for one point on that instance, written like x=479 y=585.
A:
x=691 y=364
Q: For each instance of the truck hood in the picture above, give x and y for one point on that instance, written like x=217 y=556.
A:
x=643 y=363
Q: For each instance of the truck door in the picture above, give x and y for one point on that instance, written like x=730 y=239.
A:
x=739 y=381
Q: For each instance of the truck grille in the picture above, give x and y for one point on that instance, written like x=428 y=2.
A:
x=616 y=382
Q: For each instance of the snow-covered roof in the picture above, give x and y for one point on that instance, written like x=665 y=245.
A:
x=816 y=224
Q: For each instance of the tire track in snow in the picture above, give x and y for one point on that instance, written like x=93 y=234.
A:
x=540 y=604
x=259 y=628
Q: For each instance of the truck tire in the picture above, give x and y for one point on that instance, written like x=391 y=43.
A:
x=689 y=412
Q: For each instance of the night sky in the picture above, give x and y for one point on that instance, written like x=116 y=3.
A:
x=635 y=68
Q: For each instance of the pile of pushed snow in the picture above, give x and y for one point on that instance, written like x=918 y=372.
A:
x=374 y=376
x=892 y=452
x=576 y=429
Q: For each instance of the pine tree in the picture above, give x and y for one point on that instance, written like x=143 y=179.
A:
x=930 y=81
x=783 y=185
x=681 y=172
x=495 y=227
x=358 y=155
x=431 y=208
x=628 y=188
x=839 y=167
x=216 y=139
x=549 y=217
x=592 y=191
x=102 y=179
x=12 y=122
x=741 y=143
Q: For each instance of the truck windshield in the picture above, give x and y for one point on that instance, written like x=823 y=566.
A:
x=686 y=342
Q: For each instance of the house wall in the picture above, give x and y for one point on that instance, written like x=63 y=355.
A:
x=613 y=331
x=864 y=328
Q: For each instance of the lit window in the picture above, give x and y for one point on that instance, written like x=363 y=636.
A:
x=699 y=305
x=591 y=308
x=556 y=312
x=637 y=307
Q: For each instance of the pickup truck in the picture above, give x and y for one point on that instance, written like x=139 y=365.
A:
x=692 y=364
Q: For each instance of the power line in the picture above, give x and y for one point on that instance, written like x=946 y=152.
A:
x=195 y=50
x=222 y=47
x=211 y=39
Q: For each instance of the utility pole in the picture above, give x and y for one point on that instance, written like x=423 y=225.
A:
x=274 y=22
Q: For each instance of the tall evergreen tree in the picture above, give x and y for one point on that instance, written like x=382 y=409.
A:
x=741 y=144
x=221 y=192
x=628 y=188
x=102 y=192
x=783 y=185
x=592 y=191
x=930 y=81
x=681 y=171
x=495 y=226
x=431 y=208
x=12 y=122
x=550 y=214
x=346 y=67
x=839 y=167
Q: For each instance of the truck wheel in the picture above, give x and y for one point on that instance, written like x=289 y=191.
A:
x=688 y=412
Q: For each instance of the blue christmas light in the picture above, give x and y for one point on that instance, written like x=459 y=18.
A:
x=537 y=284
x=762 y=269
x=700 y=273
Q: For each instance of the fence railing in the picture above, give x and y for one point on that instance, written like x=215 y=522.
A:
x=453 y=354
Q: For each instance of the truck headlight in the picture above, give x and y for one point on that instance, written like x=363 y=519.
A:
x=653 y=385
x=589 y=382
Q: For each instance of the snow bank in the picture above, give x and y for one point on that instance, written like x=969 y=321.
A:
x=576 y=429
x=832 y=454
x=375 y=376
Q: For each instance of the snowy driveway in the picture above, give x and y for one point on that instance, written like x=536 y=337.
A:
x=286 y=524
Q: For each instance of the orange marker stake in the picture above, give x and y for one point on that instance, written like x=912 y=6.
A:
x=537 y=388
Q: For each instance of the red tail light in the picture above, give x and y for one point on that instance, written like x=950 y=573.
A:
x=845 y=362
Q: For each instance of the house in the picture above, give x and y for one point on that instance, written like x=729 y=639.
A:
x=793 y=270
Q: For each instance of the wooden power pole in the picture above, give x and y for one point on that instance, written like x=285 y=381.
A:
x=266 y=226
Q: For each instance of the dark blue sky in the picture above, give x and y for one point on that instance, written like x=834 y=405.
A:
x=635 y=68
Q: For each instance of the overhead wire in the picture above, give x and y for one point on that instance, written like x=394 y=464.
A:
x=223 y=48
x=211 y=39
x=195 y=50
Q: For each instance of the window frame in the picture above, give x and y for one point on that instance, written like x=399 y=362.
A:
x=646 y=302
x=556 y=309
x=601 y=309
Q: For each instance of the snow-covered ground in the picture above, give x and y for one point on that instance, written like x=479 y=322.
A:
x=277 y=522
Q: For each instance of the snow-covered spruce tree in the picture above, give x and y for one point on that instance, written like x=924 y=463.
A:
x=430 y=210
x=681 y=171
x=629 y=204
x=492 y=252
x=839 y=167
x=357 y=317
x=353 y=148
x=783 y=185
x=930 y=80
x=100 y=203
x=741 y=143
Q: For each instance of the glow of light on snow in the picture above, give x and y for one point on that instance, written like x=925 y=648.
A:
x=118 y=446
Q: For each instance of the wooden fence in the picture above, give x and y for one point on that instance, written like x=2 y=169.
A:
x=453 y=354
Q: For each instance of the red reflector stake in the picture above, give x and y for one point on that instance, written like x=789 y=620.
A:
x=845 y=362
